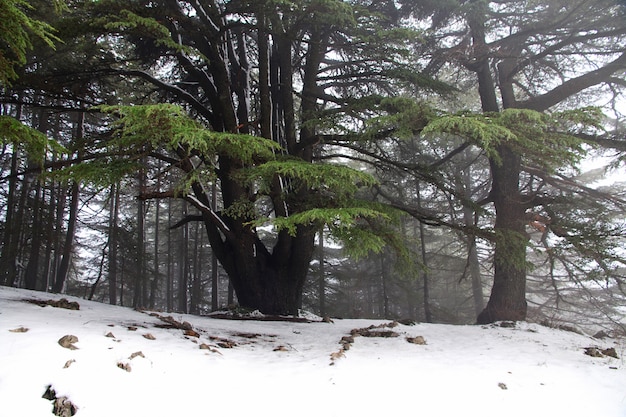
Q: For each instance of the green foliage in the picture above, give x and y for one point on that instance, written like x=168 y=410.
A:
x=129 y=22
x=167 y=125
x=403 y=116
x=35 y=143
x=341 y=181
x=100 y=173
x=547 y=141
x=16 y=29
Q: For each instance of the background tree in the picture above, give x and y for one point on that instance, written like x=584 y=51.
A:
x=541 y=63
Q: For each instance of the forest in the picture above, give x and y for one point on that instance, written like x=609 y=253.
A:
x=450 y=161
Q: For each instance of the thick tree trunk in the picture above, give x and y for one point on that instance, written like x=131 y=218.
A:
x=508 y=294
x=270 y=283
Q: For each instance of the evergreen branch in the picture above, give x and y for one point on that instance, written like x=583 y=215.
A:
x=182 y=94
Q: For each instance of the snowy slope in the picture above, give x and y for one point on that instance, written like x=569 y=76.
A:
x=261 y=368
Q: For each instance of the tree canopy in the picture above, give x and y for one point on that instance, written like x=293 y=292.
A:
x=278 y=120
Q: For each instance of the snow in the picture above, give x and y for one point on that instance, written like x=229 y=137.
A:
x=281 y=368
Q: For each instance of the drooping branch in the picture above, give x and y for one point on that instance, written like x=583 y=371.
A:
x=575 y=85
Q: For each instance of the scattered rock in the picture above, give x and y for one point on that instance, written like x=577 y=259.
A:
x=111 y=335
x=247 y=335
x=68 y=341
x=507 y=324
x=19 y=330
x=124 y=366
x=336 y=355
x=407 y=322
x=418 y=340
x=593 y=352
x=132 y=328
x=610 y=352
x=601 y=335
x=327 y=319
x=226 y=344
x=68 y=363
x=596 y=352
x=191 y=333
x=61 y=406
x=135 y=354
x=376 y=333
x=502 y=385
x=281 y=348
x=210 y=348
x=149 y=336
x=62 y=303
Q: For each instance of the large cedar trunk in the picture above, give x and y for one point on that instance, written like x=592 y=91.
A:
x=508 y=294
x=269 y=282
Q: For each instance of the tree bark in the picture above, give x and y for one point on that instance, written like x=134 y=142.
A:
x=31 y=275
x=508 y=294
x=68 y=246
x=114 y=206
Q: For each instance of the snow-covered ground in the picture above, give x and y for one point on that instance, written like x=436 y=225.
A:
x=279 y=368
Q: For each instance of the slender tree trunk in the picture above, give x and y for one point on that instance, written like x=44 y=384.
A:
x=321 y=280
x=196 y=283
x=169 y=284
x=13 y=222
x=428 y=315
x=183 y=265
x=68 y=247
x=31 y=275
x=113 y=245
x=140 y=290
x=214 y=263
x=472 y=253
x=383 y=299
x=156 y=278
x=10 y=239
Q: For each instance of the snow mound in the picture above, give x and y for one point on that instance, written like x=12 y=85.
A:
x=132 y=363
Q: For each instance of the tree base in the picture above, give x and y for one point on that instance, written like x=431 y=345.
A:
x=492 y=314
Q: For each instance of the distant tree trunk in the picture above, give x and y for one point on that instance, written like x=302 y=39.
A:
x=49 y=233
x=156 y=278
x=13 y=221
x=214 y=262
x=428 y=315
x=183 y=268
x=169 y=282
x=384 y=283
x=94 y=286
x=59 y=231
x=196 y=283
x=322 y=275
x=8 y=270
x=31 y=275
x=114 y=206
x=140 y=290
x=68 y=246
x=472 y=253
